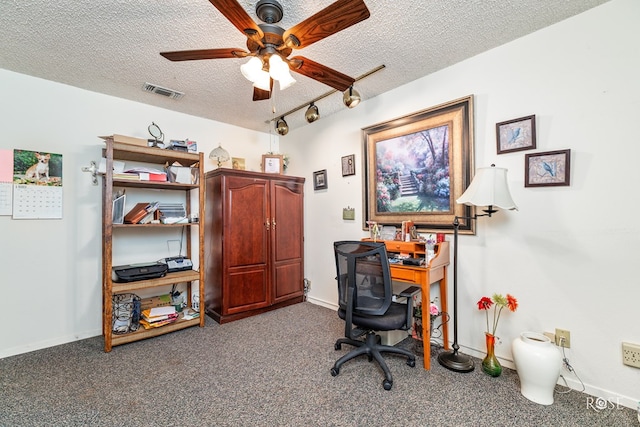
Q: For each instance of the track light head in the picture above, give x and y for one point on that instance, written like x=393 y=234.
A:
x=312 y=113
x=282 y=127
x=351 y=97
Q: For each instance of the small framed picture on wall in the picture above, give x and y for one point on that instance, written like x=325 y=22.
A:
x=320 y=180
x=551 y=168
x=516 y=135
x=349 y=165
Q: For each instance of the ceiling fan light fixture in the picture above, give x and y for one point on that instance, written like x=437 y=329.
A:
x=263 y=81
x=252 y=69
x=279 y=70
x=312 y=113
x=286 y=81
x=351 y=97
x=282 y=127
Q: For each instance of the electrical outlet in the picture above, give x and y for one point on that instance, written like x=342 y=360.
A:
x=631 y=354
x=563 y=338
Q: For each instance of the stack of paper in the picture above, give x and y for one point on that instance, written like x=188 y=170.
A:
x=158 y=316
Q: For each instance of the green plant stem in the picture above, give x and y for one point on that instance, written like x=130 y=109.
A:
x=496 y=319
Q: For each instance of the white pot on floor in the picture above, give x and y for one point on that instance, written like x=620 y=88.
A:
x=538 y=363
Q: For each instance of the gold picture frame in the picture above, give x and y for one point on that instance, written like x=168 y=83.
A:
x=272 y=163
x=417 y=166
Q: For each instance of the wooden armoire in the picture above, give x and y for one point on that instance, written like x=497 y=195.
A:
x=253 y=243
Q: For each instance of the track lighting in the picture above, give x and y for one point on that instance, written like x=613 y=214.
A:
x=351 y=97
x=312 y=113
x=282 y=127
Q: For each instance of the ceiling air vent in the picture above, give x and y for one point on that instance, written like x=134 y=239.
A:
x=169 y=93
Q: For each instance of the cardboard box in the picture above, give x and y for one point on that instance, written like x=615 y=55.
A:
x=183 y=174
x=123 y=139
x=157 y=301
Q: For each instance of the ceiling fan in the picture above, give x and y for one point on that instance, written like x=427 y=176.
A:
x=269 y=43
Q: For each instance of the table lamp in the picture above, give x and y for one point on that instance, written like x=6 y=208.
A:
x=489 y=188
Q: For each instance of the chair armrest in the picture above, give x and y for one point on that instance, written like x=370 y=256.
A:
x=408 y=294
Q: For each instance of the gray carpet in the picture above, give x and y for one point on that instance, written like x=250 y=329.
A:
x=273 y=370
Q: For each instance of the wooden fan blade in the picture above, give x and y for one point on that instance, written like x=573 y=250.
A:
x=321 y=73
x=190 y=55
x=261 y=94
x=330 y=20
x=240 y=19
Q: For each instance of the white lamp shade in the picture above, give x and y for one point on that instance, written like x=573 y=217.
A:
x=489 y=187
x=251 y=69
x=286 y=80
x=279 y=70
x=263 y=81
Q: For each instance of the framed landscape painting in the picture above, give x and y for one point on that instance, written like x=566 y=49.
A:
x=416 y=166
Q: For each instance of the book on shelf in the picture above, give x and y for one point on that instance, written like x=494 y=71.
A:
x=145 y=176
x=153 y=318
x=140 y=211
x=149 y=174
x=126 y=176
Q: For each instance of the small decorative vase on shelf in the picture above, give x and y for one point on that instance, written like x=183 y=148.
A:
x=490 y=364
x=538 y=363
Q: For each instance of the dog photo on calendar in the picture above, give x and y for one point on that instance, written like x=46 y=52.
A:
x=37 y=168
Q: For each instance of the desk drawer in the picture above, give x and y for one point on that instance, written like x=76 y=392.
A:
x=405 y=275
x=397 y=246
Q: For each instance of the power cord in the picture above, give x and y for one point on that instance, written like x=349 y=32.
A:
x=568 y=367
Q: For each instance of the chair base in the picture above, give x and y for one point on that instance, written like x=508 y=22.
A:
x=373 y=349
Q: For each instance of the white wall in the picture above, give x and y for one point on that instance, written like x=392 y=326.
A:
x=50 y=270
x=568 y=254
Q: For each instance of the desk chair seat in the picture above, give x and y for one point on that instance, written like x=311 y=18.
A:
x=366 y=306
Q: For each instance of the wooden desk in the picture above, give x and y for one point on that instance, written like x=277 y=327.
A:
x=435 y=271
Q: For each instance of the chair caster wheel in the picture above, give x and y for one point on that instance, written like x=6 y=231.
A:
x=335 y=372
x=337 y=346
x=387 y=384
x=411 y=362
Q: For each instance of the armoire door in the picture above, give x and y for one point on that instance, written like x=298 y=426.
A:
x=245 y=244
x=287 y=240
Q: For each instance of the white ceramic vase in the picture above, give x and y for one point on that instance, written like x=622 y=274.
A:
x=538 y=363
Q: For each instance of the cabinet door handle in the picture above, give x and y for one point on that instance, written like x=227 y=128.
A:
x=268 y=224
x=273 y=223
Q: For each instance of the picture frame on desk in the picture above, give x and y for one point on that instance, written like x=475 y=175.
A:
x=416 y=166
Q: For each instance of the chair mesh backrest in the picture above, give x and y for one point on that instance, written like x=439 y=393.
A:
x=365 y=266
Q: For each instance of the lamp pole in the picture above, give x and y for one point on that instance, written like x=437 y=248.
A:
x=452 y=359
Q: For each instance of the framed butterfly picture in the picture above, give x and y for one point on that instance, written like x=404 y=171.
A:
x=516 y=135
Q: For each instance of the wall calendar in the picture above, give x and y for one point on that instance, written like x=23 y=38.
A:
x=30 y=184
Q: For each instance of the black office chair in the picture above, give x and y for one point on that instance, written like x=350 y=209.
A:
x=365 y=299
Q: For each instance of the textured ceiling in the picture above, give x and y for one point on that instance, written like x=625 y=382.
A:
x=112 y=47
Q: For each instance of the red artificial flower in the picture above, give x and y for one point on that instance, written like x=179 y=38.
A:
x=498 y=302
x=485 y=303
